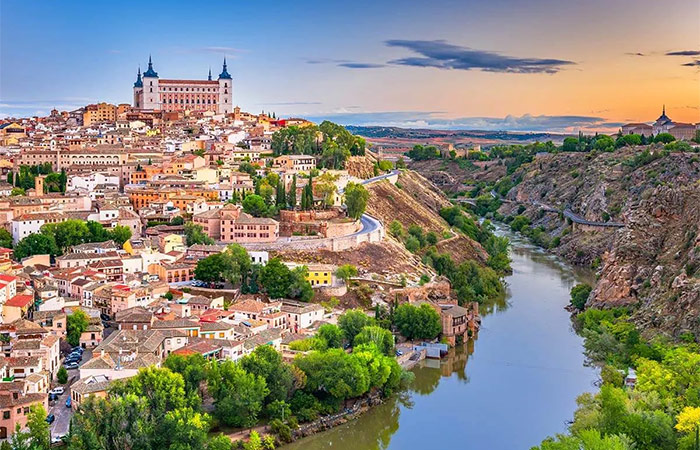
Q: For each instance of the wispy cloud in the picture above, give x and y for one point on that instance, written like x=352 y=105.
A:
x=226 y=51
x=684 y=53
x=348 y=64
x=694 y=63
x=437 y=120
x=441 y=54
x=635 y=54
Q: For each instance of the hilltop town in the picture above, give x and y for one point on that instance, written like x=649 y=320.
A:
x=134 y=235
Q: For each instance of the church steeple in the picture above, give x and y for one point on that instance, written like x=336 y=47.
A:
x=224 y=74
x=138 y=82
x=150 y=72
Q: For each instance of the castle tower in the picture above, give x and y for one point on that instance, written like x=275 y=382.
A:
x=138 y=90
x=225 y=102
x=151 y=94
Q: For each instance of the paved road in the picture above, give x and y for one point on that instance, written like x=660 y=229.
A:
x=580 y=220
x=58 y=408
x=374 y=179
x=369 y=224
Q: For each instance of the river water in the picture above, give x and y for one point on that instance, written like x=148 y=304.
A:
x=508 y=389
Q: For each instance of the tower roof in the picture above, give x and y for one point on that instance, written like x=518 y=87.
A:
x=663 y=118
x=209 y=77
x=150 y=72
x=224 y=75
x=138 y=82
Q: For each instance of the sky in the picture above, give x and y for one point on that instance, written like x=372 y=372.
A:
x=537 y=65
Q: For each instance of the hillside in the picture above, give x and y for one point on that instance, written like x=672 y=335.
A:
x=652 y=262
x=415 y=200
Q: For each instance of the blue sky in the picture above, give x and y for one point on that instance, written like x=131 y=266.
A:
x=461 y=64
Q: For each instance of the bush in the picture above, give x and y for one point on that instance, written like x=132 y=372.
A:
x=62 y=375
x=579 y=295
x=281 y=430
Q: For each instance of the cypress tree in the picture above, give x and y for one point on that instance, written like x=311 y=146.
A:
x=292 y=194
x=281 y=197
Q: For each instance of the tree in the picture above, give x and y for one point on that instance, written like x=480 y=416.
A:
x=275 y=278
x=345 y=272
x=352 y=322
x=300 y=287
x=378 y=336
x=267 y=363
x=5 y=238
x=421 y=322
x=186 y=429
x=39 y=432
x=331 y=334
x=255 y=205
x=664 y=138
x=211 y=269
x=335 y=373
x=356 y=197
x=194 y=234
x=307 y=195
x=120 y=234
x=62 y=375
x=396 y=229
x=238 y=395
x=192 y=368
x=254 y=442
x=292 y=194
x=67 y=233
x=77 y=323
x=162 y=389
x=18 y=191
x=281 y=196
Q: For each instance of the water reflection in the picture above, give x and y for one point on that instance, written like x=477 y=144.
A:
x=525 y=363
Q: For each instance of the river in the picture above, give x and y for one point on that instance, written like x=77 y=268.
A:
x=508 y=389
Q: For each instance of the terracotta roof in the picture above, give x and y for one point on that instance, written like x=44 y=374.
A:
x=20 y=301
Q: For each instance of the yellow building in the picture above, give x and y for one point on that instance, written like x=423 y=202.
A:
x=99 y=113
x=171 y=242
x=11 y=133
x=320 y=275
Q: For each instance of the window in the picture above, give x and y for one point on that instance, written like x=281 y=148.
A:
x=6 y=414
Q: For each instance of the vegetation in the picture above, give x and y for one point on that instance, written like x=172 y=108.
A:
x=77 y=323
x=279 y=281
x=62 y=375
x=232 y=265
x=661 y=412
x=345 y=272
x=356 y=197
x=579 y=295
x=417 y=322
x=37 y=436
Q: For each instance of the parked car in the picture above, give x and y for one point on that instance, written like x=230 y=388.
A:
x=58 y=439
x=50 y=418
x=57 y=390
x=53 y=397
x=68 y=403
x=77 y=349
x=71 y=365
x=104 y=316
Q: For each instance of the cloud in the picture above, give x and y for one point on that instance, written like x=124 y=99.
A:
x=437 y=120
x=360 y=65
x=635 y=54
x=443 y=55
x=694 y=63
x=348 y=64
x=684 y=53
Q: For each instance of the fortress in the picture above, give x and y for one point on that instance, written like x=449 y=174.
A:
x=154 y=93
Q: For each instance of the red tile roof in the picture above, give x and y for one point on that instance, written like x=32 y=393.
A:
x=20 y=301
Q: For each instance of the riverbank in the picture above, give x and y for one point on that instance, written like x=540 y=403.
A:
x=526 y=354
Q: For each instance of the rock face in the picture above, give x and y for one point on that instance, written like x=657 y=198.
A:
x=360 y=166
x=655 y=262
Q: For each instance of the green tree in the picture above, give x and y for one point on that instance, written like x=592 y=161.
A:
x=255 y=205
x=377 y=336
x=579 y=295
x=299 y=287
x=352 y=322
x=334 y=373
x=192 y=368
x=62 y=375
x=275 y=278
x=5 y=238
x=345 y=272
x=396 y=229
x=267 y=363
x=238 y=395
x=67 y=233
x=77 y=323
x=292 y=194
x=417 y=322
x=281 y=196
x=120 y=234
x=36 y=244
x=194 y=234
x=18 y=191
x=186 y=429
x=212 y=268
x=331 y=334
x=664 y=138
x=356 y=197
x=39 y=432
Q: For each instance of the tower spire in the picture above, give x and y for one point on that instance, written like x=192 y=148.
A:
x=664 y=109
x=209 y=78
x=150 y=72
x=138 y=82
x=224 y=73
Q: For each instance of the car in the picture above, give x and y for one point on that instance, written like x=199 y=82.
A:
x=50 y=418
x=68 y=403
x=104 y=316
x=58 y=439
x=71 y=360
x=399 y=353
x=77 y=349
x=53 y=397
x=57 y=390
x=71 y=365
